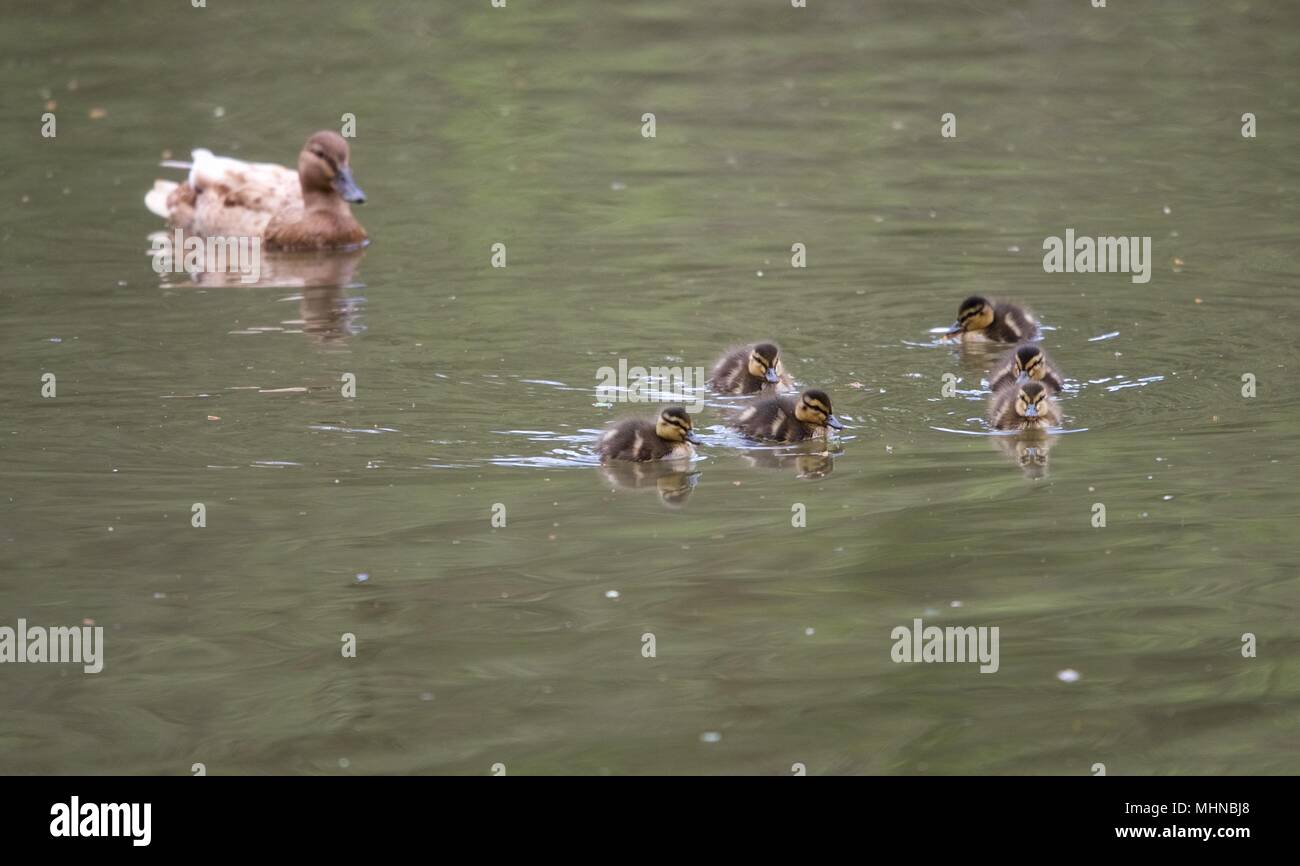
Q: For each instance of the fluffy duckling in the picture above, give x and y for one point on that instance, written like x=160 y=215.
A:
x=750 y=369
x=790 y=418
x=302 y=210
x=1030 y=361
x=668 y=436
x=1027 y=406
x=982 y=321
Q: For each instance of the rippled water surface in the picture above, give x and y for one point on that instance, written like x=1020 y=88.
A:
x=476 y=386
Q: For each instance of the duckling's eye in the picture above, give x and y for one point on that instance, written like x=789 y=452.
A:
x=326 y=158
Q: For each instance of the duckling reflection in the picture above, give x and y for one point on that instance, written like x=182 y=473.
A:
x=673 y=479
x=806 y=464
x=326 y=315
x=1028 y=450
x=213 y=267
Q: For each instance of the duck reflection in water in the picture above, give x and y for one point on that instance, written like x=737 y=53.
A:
x=806 y=464
x=1028 y=450
x=212 y=266
x=325 y=312
x=673 y=479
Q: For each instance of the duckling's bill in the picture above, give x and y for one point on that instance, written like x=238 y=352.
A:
x=347 y=188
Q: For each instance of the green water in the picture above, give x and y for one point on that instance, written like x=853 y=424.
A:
x=480 y=645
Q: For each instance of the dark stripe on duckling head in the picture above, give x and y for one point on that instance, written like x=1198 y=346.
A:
x=817 y=400
x=971 y=307
x=675 y=425
x=1031 y=399
x=677 y=416
x=1029 y=359
x=814 y=408
x=767 y=353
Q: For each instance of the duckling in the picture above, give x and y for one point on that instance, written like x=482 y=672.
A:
x=789 y=418
x=302 y=210
x=1027 y=406
x=1030 y=361
x=750 y=369
x=668 y=436
x=981 y=321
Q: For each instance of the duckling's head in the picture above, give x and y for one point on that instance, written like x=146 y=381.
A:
x=974 y=314
x=1029 y=362
x=674 y=424
x=814 y=407
x=1031 y=401
x=762 y=361
x=323 y=167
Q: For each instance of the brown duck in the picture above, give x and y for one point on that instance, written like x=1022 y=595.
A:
x=303 y=210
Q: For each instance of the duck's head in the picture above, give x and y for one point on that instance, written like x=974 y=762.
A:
x=762 y=361
x=1028 y=363
x=974 y=314
x=674 y=424
x=323 y=167
x=1031 y=402
x=814 y=407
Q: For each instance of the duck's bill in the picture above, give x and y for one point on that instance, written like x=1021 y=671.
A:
x=1031 y=412
x=771 y=374
x=1022 y=378
x=954 y=330
x=347 y=187
x=693 y=439
x=834 y=423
